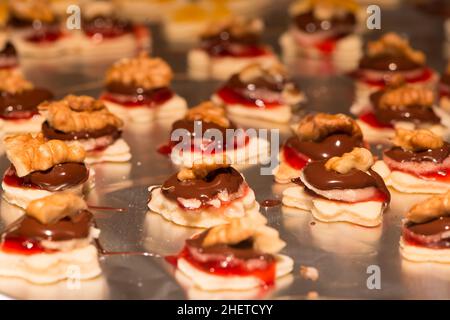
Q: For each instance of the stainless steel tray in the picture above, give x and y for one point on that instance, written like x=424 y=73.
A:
x=342 y=253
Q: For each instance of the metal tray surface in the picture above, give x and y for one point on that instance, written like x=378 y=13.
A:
x=345 y=255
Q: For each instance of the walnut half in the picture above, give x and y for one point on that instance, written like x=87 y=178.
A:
x=358 y=158
x=417 y=140
x=315 y=127
x=209 y=112
x=202 y=167
x=265 y=239
x=55 y=207
x=433 y=207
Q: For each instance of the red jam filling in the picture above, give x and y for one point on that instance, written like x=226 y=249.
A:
x=372 y=121
x=295 y=159
x=231 y=96
x=45 y=36
x=23 y=246
x=13 y=180
x=442 y=175
x=157 y=98
x=19 y=115
x=424 y=76
x=231 y=268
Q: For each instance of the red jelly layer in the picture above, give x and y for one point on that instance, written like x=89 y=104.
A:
x=230 y=268
x=11 y=179
x=442 y=175
x=23 y=246
x=45 y=36
x=230 y=96
x=19 y=115
x=295 y=159
x=157 y=98
x=372 y=121
x=424 y=76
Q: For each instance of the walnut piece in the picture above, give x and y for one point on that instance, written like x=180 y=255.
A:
x=417 y=140
x=358 y=158
x=323 y=9
x=79 y=113
x=399 y=96
x=265 y=239
x=13 y=82
x=32 y=10
x=30 y=153
x=392 y=42
x=236 y=26
x=201 y=168
x=209 y=112
x=315 y=127
x=433 y=207
x=254 y=71
x=55 y=207
x=142 y=71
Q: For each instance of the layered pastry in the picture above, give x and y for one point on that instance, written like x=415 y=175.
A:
x=54 y=236
x=240 y=255
x=388 y=56
x=8 y=56
x=208 y=194
x=206 y=132
x=419 y=162
x=399 y=105
x=19 y=99
x=145 y=10
x=37 y=31
x=325 y=29
x=261 y=92
x=87 y=121
x=40 y=168
x=341 y=189
x=226 y=47
x=425 y=233
x=104 y=32
x=317 y=137
x=138 y=89
x=184 y=24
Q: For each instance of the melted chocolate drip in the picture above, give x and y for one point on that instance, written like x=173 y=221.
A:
x=52 y=133
x=223 y=179
x=431 y=155
x=68 y=228
x=131 y=90
x=392 y=61
x=412 y=113
x=60 y=177
x=243 y=250
x=332 y=146
x=12 y=104
x=341 y=25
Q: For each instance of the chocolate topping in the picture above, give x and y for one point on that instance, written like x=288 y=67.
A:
x=430 y=228
x=190 y=125
x=413 y=113
x=60 y=177
x=341 y=25
x=242 y=250
x=335 y=145
x=393 y=61
x=445 y=79
x=26 y=101
x=223 y=179
x=76 y=227
x=268 y=83
x=430 y=155
x=319 y=177
x=52 y=133
x=8 y=51
x=226 y=42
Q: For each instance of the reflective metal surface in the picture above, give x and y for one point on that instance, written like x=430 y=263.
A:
x=341 y=252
